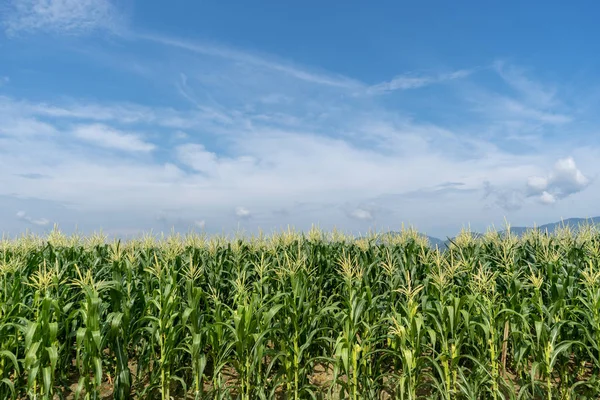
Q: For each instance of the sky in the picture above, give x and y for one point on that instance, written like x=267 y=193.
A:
x=128 y=116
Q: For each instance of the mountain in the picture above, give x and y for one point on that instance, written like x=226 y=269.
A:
x=573 y=223
x=433 y=242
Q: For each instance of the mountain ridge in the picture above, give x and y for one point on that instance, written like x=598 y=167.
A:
x=573 y=223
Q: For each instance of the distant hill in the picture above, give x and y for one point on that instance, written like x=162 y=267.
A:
x=433 y=241
x=573 y=223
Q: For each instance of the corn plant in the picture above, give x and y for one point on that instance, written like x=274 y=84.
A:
x=163 y=328
x=194 y=319
x=406 y=341
x=295 y=316
x=89 y=336
x=41 y=335
x=357 y=340
x=299 y=327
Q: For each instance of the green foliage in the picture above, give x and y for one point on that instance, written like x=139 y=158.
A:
x=301 y=316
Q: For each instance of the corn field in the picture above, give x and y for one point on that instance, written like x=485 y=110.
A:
x=301 y=316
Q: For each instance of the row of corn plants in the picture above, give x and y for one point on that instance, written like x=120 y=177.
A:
x=301 y=316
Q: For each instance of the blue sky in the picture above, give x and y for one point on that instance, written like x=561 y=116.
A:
x=128 y=116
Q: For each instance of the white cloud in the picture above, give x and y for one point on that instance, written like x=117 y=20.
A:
x=276 y=98
x=567 y=178
x=201 y=224
x=537 y=184
x=522 y=111
x=270 y=168
x=532 y=91
x=198 y=158
x=242 y=212
x=104 y=136
x=404 y=82
x=25 y=127
x=547 y=198
x=519 y=109
x=564 y=180
x=178 y=220
x=508 y=199
x=209 y=164
x=180 y=135
x=22 y=215
x=60 y=16
x=122 y=113
x=361 y=214
x=256 y=60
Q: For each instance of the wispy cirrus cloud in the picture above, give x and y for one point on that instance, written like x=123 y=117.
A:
x=517 y=109
x=268 y=63
x=122 y=113
x=20 y=126
x=71 y=17
x=522 y=106
x=33 y=176
x=534 y=92
x=414 y=81
x=107 y=137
